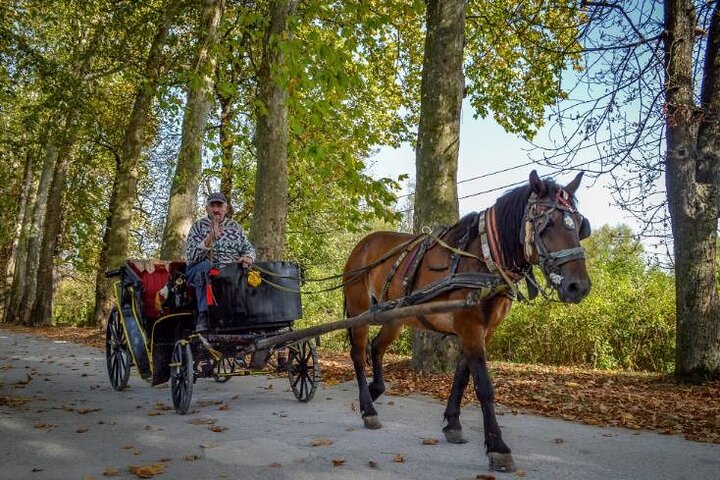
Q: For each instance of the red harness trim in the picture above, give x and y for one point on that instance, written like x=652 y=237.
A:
x=492 y=232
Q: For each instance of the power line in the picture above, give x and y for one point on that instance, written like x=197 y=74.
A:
x=532 y=162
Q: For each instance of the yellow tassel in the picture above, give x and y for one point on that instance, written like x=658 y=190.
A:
x=254 y=278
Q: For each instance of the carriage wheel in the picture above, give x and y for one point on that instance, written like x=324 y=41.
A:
x=224 y=368
x=116 y=352
x=303 y=370
x=181 y=376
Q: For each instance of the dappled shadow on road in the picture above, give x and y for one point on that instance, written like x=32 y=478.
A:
x=595 y=397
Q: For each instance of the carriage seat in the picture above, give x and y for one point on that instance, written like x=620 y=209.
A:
x=154 y=275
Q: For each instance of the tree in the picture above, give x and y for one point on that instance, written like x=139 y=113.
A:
x=512 y=65
x=271 y=138
x=438 y=142
x=124 y=191
x=653 y=70
x=186 y=180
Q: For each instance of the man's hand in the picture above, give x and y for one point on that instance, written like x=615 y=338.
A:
x=216 y=226
x=245 y=261
x=215 y=231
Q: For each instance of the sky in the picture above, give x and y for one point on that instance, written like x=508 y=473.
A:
x=486 y=148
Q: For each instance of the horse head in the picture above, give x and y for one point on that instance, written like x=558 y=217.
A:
x=551 y=234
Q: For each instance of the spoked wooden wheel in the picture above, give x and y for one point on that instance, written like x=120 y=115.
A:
x=223 y=369
x=181 y=376
x=303 y=370
x=116 y=352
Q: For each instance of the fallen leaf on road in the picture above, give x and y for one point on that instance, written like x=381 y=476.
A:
x=147 y=471
x=81 y=430
x=398 y=458
x=372 y=464
x=202 y=421
x=111 y=472
x=559 y=440
x=275 y=465
x=520 y=473
x=321 y=442
x=191 y=458
x=217 y=428
x=485 y=476
x=83 y=411
x=430 y=441
x=13 y=401
x=46 y=425
x=224 y=406
x=338 y=461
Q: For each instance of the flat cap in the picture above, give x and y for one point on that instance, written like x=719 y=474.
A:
x=215 y=197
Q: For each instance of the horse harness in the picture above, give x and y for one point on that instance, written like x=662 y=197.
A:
x=536 y=218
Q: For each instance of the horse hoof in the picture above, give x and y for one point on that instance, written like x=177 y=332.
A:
x=372 y=422
x=501 y=462
x=454 y=436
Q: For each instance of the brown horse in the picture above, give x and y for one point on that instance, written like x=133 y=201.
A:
x=536 y=224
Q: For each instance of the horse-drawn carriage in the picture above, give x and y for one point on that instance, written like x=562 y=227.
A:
x=458 y=280
x=152 y=327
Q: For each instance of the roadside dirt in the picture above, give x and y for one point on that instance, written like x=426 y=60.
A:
x=596 y=397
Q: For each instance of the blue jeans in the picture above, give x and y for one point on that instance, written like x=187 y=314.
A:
x=197 y=277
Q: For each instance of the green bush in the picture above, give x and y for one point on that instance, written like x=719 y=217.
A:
x=627 y=321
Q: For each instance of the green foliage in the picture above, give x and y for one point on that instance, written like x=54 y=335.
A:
x=627 y=321
x=74 y=300
x=516 y=52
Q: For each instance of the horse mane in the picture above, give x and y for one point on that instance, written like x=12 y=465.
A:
x=509 y=213
x=456 y=232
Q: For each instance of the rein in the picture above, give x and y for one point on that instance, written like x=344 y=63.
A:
x=535 y=220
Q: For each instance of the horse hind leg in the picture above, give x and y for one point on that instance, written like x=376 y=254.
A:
x=453 y=429
x=358 y=341
x=381 y=342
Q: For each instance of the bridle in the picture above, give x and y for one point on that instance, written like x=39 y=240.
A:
x=535 y=220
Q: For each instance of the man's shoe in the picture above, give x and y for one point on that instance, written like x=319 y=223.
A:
x=202 y=322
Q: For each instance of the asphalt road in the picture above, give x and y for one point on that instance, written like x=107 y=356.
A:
x=60 y=419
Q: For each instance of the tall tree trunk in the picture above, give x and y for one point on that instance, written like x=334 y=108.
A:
x=25 y=279
x=693 y=189
x=436 y=157
x=41 y=312
x=18 y=249
x=271 y=184
x=227 y=142
x=115 y=241
x=183 y=194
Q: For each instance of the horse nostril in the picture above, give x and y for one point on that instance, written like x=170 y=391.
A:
x=573 y=287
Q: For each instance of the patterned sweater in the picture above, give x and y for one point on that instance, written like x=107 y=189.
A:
x=228 y=248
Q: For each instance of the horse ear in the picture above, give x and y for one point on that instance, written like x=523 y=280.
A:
x=572 y=187
x=585 y=229
x=537 y=185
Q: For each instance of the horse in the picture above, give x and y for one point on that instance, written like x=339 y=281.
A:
x=534 y=224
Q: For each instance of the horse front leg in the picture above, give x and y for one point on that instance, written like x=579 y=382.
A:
x=498 y=453
x=358 y=340
x=453 y=429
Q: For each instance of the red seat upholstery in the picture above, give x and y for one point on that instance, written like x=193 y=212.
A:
x=154 y=276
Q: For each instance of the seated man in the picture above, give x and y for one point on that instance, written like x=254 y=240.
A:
x=214 y=240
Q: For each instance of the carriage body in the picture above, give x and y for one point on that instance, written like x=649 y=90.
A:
x=155 y=316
